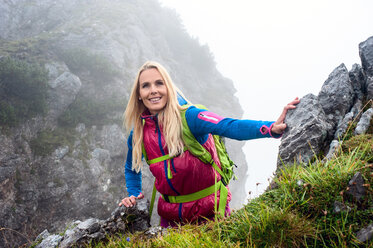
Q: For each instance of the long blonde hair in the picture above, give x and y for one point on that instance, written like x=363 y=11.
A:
x=169 y=118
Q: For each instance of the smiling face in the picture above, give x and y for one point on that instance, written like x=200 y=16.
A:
x=153 y=90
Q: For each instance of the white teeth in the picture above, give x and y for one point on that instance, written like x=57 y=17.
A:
x=155 y=99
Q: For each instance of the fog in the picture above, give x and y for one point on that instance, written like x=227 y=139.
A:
x=275 y=51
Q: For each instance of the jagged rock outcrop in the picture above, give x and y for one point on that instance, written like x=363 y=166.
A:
x=318 y=124
x=308 y=129
x=81 y=233
x=68 y=164
x=364 y=123
x=63 y=90
x=336 y=95
x=366 y=55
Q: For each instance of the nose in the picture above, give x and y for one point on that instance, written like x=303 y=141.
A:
x=153 y=89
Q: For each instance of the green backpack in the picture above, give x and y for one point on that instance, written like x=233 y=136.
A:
x=197 y=150
x=200 y=152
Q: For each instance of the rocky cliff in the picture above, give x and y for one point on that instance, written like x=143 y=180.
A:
x=66 y=162
x=317 y=128
x=318 y=125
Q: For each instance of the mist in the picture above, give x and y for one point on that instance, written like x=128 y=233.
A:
x=275 y=51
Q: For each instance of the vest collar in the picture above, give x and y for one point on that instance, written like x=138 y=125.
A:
x=147 y=115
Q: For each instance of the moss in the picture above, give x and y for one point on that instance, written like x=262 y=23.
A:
x=81 y=61
x=91 y=112
x=84 y=151
x=23 y=91
x=370 y=129
x=363 y=143
x=34 y=48
x=48 y=141
x=58 y=182
x=18 y=179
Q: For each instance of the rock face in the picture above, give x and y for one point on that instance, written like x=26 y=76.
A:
x=318 y=124
x=366 y=55
x=308 y=118
x=68 y=164
x=81 y=233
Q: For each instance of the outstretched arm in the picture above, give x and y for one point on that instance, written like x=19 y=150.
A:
x=202 y=122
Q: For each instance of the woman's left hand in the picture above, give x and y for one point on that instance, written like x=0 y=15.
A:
x=279 y=126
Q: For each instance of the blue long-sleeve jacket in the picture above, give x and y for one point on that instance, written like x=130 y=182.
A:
x=201 y=123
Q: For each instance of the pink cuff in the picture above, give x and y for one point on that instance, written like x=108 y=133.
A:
x=264 y=130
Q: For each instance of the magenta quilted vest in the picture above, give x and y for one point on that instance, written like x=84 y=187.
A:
x=189 y=175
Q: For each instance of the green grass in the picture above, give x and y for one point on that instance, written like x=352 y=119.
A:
x=299 y=212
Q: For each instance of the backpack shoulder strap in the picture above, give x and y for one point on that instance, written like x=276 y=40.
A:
x=192 y=144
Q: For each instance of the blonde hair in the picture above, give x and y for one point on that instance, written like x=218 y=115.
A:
x=169 y=118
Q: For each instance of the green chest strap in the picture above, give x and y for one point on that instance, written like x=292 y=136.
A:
x=218 y=186
x=196 y=149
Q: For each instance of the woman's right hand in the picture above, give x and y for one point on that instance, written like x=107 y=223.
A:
x=130 y=201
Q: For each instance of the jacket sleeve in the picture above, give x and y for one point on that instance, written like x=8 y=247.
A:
x=202 y=122
x=133 y=179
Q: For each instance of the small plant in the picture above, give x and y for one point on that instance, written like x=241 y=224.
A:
x=91 y=112
x=81 y=61
x=364 y=143
x=23 y=91
x=48 y=141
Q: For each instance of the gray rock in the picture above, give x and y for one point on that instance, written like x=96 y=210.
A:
x=334 y=145
x=153 y=232
x=6 y=173
x=112 y=138
x=71 y=237
x=91 y=225
x=43 y=235
x=365 y=234
x=99 y=161
x=337 y=95
x=61 y=152
x=81 y=233
x=80 y=128
x=369 y=87
x=366 y=56
x=357 y=109
x=343 y=126
x=51 y=241
x=316 y=120
x=340 y=207
x=357 y=78
x=307 y=130
x=62 y=93
x=55 y=69
x=364 y=123
x=356 y=187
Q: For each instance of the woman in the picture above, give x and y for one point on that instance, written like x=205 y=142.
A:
x=153 y=115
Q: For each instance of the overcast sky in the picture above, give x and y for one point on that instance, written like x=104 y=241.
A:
x=275 y=51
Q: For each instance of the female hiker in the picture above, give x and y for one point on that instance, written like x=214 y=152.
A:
x=188 y=186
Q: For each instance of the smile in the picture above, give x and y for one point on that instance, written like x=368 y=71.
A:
x=155 y=100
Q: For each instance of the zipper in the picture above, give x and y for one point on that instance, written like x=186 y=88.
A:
x=165 y=162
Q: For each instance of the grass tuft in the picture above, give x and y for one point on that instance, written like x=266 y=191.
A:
x=299 y=212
